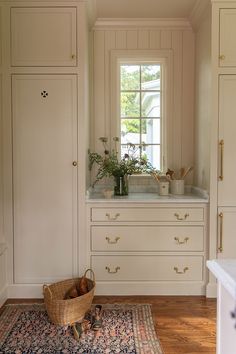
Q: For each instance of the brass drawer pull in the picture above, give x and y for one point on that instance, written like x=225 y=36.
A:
x=179 y=218
x=221 y=145
x=181 y=242
x=112 y=242
x=112 y=271
x=179 y=272
x=222 y=57
x=220 y=248
x=112 y=218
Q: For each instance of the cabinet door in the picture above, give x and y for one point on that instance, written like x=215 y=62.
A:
x=43 y=36
x=226 y=244
x=227 y=141
x=44 y=178
x=227 y=54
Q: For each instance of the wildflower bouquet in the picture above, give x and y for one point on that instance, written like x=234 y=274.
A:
x=110 y=165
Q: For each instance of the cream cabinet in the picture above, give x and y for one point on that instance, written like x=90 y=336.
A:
x=222 y=243
x=227 y=49
x=226 y=242
x=150 y=248
x=227 y=141
x=44 y=177
x=43 y=36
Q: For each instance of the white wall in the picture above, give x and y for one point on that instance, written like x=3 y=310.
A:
x=203 y=102
x=180 y=40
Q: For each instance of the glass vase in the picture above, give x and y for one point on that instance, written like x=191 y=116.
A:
x=121 y=185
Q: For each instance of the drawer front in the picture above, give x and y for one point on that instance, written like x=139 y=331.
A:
x=147 y=238
x=147 y=268
x=147 y=214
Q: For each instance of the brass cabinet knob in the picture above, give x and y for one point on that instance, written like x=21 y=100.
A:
x=73 y=56
x=222 y=57
x=74 y=163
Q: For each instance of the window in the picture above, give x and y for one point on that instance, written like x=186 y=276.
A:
x=141 y=109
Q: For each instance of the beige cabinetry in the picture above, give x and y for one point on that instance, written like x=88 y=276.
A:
x=43 y=36
x=227 y=49
x=223 y=190
x=45 y=105
x=44 y=178
x=147 y=248
x=227 y=141
x=226 y=243
x=222 y=242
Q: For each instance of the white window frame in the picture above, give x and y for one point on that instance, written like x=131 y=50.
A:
x=164 y=57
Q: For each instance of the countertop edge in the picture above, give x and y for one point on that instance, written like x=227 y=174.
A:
x=151 y=198
x=217 y=267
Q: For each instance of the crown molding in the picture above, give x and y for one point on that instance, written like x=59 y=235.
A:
x=199 y=12
x=170 y=23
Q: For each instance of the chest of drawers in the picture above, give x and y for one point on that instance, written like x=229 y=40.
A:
x=147 y=248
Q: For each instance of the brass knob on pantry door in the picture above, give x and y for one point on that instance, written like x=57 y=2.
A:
x=222 y=57
x=74 y=163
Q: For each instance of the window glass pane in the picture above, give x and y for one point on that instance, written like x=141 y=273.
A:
x=150 y=131
x=130 y=77
x=134 y=152
x=130 y=131
x=150 y=104
x=150 y=77
x=130 y=104
x=152 y=153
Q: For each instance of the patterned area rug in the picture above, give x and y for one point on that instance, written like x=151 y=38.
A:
x=125 y=329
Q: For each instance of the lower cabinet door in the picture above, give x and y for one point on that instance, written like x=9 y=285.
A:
x=147 y=268
x=226 y=245
x=44 y=179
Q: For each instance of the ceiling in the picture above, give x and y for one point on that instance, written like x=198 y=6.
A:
x=145 y=8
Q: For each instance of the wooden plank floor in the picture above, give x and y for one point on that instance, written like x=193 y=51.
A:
x=184 y=324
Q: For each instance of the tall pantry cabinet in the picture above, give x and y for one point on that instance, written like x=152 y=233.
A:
x=44 y=64
x=223 y=148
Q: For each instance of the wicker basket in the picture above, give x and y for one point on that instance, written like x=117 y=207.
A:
x=66 y=312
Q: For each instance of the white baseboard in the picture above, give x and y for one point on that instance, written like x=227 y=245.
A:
x=25 y=291
x=35 y=291
x=3 y=295
x=211 y=290
x=149 y=288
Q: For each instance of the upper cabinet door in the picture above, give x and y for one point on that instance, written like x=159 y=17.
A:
x=43 y=36
x=227 y=141
x=227 y=47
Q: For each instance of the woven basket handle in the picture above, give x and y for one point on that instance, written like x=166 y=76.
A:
x=91 y=272
x=46 y=287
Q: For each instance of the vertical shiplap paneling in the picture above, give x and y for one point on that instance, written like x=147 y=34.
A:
x=188 y=101
x=98 y=124
x=166 y=42
x=176 y=129
x=180 y=128
x=110 y=43
x=121 y=39
x=132 y=39
x=143 y=39
x=155 y=39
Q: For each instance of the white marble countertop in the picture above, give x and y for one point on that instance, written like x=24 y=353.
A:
x=148 y=198
x=225 y=272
